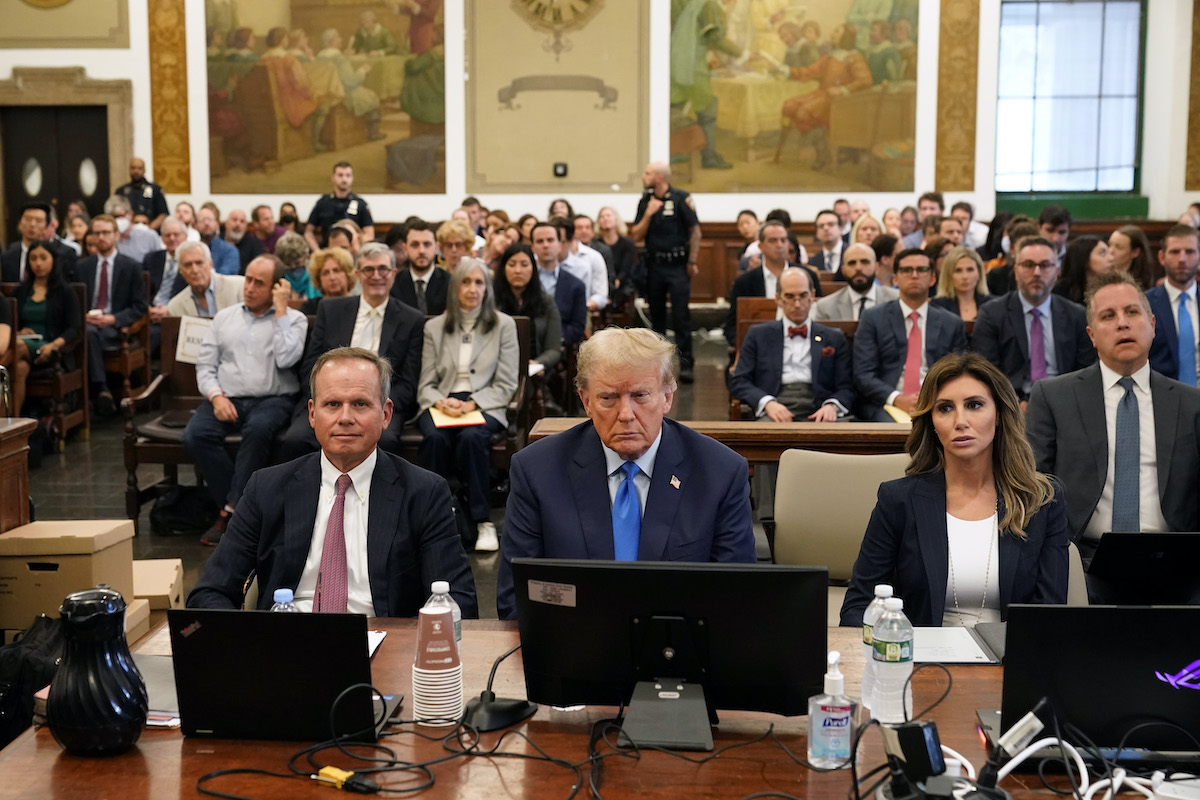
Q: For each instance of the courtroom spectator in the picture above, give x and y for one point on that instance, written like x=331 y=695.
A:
x=58 y=241
x=340 y=204
x=961 y=289
x=865 y=229
x=829 y=237
x=1001 y=276
x=929 y=205
x=519 y=294
x=560 y=207
x=185 y=212
x=497 y=242
x=47 y=307
x=1176 y=319
x=248 y=247
x=782 y=216
x=794 y=368
x=289 y=218
x=374 y=321
x=394 y=239
x=455 y=239
x=569 y=293
x=134 y=240
x=207 y=291
x=861 y=292
x=909 y=222
x=885 y=246
x=32 y=227
x=163 y=268
x=469 y=362
x=1123 y=439
x=224 y=255
x=116 y=294
x=937 y=248
x=747 y=226
x=575 y=254
x=973 y=498
x=587 y=236
x=266 y=230
x=1130 y=250
x=891 y=222
x=398 y=533
x=77 y=227
x=525 y=223
x=145 y=198
x=685 y=497
x=1032 y=333
x=951 y=229
x=346 y=233
x=475 y=242
x=614 y=233
x=761 y=281
x=421 y=284
x=292 y=250
x=331 y=271
x=1086 y=257
x=246 y=373
x=1054 y=225
x=995 y=246
x=897 y=342
x=974 y=233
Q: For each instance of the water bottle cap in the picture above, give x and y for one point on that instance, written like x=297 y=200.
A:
x=440 y=587
x=283 y=596
x=883 y=590
x=893 y=604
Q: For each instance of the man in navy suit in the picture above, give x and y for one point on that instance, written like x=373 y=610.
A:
x=569 y=293
x=1004 y=329
x=34 y=226
x=794 y=368
x=890 y=359
x=421 y=285
x=1179 y=256
x=116 y=297
x=628 y=484
x=829 y=236
x=397 y=531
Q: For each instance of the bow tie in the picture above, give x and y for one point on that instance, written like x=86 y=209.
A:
x=802 y=331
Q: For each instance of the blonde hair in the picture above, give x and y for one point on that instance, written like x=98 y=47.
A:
x=456 y=229
x=946 y=278
x=623 y=350
x=338 y=254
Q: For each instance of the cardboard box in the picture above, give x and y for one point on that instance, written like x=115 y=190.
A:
x=159 y=580
x=43 y=562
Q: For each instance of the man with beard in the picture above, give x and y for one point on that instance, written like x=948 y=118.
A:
x=861 y=291
x=248 y=247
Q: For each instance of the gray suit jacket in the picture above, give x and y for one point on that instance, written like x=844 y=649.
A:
x=494 y=365
x=1066 y=426
x=840 y=305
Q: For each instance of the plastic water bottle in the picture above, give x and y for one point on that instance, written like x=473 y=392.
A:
x=285 y=601
x=441 y=598
x=882 y=592
x=892 y=638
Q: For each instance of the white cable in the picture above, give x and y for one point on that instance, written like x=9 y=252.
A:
x=1084 y=783
x=961 y=759
x=1120 y=779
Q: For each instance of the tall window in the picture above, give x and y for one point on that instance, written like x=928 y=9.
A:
x=1067 y=116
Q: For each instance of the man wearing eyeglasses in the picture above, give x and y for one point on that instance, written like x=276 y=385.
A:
x=896 y=343
x=1031 y=333
x=375 y=321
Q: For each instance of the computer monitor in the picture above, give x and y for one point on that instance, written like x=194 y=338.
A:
x=706 y=636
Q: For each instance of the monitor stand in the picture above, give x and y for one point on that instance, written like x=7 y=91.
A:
x=667 y=713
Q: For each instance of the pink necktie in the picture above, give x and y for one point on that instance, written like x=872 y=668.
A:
x=912 y=362
x=331 y=580
x=102 y=292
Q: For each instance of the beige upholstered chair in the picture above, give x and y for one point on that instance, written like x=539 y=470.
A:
x=1076 y=583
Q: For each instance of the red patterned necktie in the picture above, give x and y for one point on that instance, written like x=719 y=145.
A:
x=912 y=363
x=801 y=331
x=331 y=580
x=102 y=293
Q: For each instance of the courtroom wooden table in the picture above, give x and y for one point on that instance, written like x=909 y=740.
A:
x=14 y=471
x=766 y=441
x=165 y=764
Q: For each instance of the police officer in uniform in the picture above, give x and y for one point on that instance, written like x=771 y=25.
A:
x=144 y=197
x=336 y=206
x=667 y=223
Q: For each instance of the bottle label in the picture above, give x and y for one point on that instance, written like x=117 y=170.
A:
x=892 y=652
x=836 y=717
x=867 y=630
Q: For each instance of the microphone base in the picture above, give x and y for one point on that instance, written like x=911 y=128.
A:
x=490 y=713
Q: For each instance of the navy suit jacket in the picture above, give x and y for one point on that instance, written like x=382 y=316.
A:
x=698 y=507
x=437 y=283
x=1066 y=426
x=751 y=283
x=1164 y=351
x=880 y=347
x=153 y=265
x=412 y=539
x=127 y=292
x=759 y=370
x=400 y=342
x=905 y=545
x=570 y=295
x=1000 y=337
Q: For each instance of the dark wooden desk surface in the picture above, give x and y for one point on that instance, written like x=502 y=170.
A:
x=765 y=441
x=165 y=764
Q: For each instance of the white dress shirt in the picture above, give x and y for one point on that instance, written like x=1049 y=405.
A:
x=1149 y=505
x=354 y=526
x=973 y=567
x=641 y=481
x=368 y=326
x=922 y=319
x=856 y=300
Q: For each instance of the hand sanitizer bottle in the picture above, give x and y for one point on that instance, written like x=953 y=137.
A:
x=831 y=721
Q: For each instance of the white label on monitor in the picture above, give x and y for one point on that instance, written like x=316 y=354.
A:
x=554 y=594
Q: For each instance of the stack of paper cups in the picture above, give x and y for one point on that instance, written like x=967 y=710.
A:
x=437 y=684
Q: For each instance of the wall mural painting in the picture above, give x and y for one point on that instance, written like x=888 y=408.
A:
x=297 y=85
x=770 y=95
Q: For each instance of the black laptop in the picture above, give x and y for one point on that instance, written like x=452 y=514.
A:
x=264 y=675
x=1107 y=670
x=1146 y=569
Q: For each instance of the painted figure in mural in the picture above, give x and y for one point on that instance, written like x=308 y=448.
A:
x=842 y=71
x=297 y=96
x=882 y=55
x=241 y=46
x=902 y=38
x=372 y=38
x=802 y=42
x=298 y=46
x=864 y=12
x=424 y=94
x=698 y=28
x=421 y=29
x=221 y=16
x=360 y=101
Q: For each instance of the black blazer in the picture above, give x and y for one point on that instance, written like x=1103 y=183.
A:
x=400 y=343
x=127 y=292
x=905 y=545
x=412 y=539
x=436 y=286
x=751 y=283
x=10 y=262
x=951 y=303
x=1000 y=337
x=62 y=312
x=153 y=265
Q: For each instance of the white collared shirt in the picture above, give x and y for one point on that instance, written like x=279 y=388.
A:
x=1173 y=295
x=797 y=365
x=922 y=320
x=641 y=481
x=833 y=257
x=1149 y=505
x=368 y=325
x=856 y=300
x=354 y=526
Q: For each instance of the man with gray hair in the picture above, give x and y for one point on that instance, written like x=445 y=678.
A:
x=207 y=292
x=629 y=484
x=374 y=321
x=134 y=240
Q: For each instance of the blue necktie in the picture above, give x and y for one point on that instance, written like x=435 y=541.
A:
x=627 y=516
x=1187 y=344
x=1127 y=463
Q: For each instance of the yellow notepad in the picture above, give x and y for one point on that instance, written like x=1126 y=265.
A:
x=446 y=421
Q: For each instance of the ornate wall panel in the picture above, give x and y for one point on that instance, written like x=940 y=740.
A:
x=1192 y=174
x=958 y=78
x=169 y=97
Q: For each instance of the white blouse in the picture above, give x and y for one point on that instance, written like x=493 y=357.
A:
x=973 y=571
